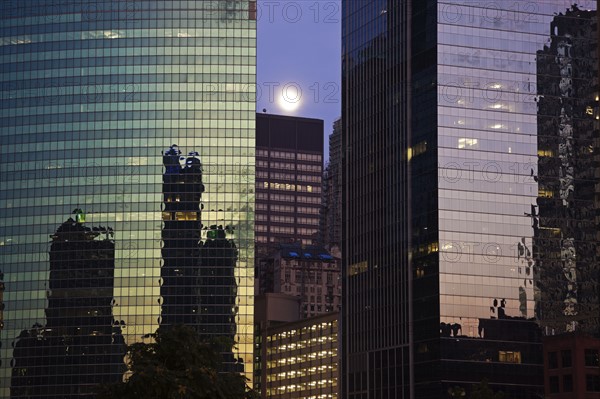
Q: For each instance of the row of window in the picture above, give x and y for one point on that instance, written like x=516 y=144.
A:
x=107 y=15
x=175 y=60
x=153 y=138
x=288 y=187
x=288 y=198
x=592 y=358
x=156 y=38
x=289 y=176
x=300 y=290
x=329 y=368
x=151 y=97
x=289 y=166
x=261 y=228
x=592 y=383
x=286 y=208
x=290 y=155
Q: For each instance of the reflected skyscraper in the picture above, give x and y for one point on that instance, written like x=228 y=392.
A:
x=182 y=189
x=440 y=166
x=564 y=217
x=198 y=286
x=81 y=344
x=217 y=285
x=331 y=216
x=91 y=94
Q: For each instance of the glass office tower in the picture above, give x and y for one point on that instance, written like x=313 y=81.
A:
x=95 y=98
x=440 y=146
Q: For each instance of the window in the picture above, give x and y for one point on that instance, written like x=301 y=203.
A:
x=552 y=360
x=565 y=356
x=591 y=358
x=592 y=383
x=509 y=357
x=567 y=383
x=554 y=384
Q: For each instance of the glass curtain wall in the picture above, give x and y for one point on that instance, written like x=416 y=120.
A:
x=134 y=121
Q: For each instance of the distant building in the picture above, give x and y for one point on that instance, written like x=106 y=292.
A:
x=331 y=216
x=572 y=366
x=301 y=359
x=310 y=273
x=289 y=168
x=297 y=286
x=270 y=309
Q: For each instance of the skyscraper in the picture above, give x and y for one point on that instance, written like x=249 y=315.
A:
x=289 y=167
x=440 y=163
x=91 y=95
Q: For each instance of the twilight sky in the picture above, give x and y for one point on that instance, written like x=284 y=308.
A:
x=299 y=47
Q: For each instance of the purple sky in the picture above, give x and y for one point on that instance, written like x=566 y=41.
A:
x=299 y=46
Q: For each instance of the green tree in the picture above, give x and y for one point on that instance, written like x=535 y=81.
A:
x=178 y=365
x=483 y=391
x=457 y=392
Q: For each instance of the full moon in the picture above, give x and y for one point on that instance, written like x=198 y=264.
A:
x=289 y=100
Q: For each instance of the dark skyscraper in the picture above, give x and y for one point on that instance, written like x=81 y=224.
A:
x=440 y=158
x=81 y=344
x=289 y=168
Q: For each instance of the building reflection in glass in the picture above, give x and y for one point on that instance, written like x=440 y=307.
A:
x=198 y=273
x=81 y=344
x=182 y=190
x=566 y=241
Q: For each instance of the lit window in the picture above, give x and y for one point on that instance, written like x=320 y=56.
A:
x=509 y=357
x=467 y=143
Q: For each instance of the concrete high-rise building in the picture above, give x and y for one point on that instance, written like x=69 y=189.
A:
x=309 y=273
x=440 y=155
x=91 y=95
x=289 y=169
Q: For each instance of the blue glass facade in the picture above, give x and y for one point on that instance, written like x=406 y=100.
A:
x=94 y=99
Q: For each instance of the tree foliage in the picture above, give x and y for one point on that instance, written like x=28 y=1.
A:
x=178 y=365
x=483 y=391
